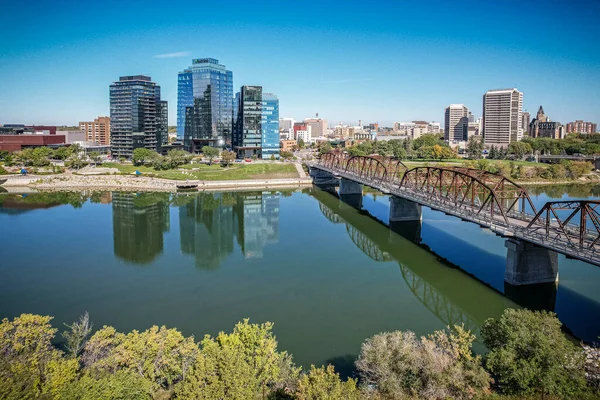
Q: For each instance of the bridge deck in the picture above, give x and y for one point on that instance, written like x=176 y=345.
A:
x=516 y=224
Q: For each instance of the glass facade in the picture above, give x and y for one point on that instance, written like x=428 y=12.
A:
x=162 y=127
x=256 y=130
x=134 y=113
x=205 y=104
x=270 y=126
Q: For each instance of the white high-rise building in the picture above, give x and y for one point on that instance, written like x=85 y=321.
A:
x=502 y=117
x=456 y=123
x=286 y=123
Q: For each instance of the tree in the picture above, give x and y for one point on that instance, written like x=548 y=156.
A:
x=77 y=335
x=62 y=153
x=95 y=157
x=75 y=161
x=301 y=143
x=114 y=386
x=242 y=365
x=429 y=139
x=324 y=148
x=474 y=148
x=30 y=366
x=228 y=157
x=530 y=355
x=210 y=153
x=142 y=155
x=519 y=149
x=382 y=148
x=325 y=384
x=179 y=157
x=286 y=155
x=439 y=366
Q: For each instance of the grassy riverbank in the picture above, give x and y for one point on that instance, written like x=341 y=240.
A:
x=214 y=172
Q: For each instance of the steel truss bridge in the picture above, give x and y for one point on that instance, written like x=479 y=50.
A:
x=489 y=200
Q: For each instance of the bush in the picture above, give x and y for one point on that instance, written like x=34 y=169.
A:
x=3 y=171
x=435 y=367
x=577 y=169
x=529 y=354
x=557 y=171
x=325 y=384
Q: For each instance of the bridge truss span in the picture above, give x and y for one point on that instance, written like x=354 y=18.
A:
x=474 y=190
x=490 y=200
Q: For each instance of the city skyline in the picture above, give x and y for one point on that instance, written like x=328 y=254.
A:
x=338 y=65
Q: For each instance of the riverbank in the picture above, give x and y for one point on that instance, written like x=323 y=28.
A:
x=142 y=183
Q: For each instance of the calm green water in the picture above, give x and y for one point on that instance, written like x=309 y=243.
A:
x=329 y=273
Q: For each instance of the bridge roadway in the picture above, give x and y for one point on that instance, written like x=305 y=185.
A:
x=514 y=225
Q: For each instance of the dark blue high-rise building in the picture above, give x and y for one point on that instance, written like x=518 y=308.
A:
x=135 y=115
x=204 y=104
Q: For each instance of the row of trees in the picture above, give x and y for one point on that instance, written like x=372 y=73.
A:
x=73 y=156
x=428 y=146
x=528 y=355
x=566 y=169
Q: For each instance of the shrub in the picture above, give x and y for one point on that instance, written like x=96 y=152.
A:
x=530 y=355
x=435 y=367
x=325 y=384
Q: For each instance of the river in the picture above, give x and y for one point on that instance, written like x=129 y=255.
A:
x=327 y=274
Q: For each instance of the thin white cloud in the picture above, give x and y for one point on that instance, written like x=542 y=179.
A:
x=349 y=80
x=173 y=55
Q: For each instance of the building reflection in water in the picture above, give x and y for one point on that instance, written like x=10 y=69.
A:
x=208 y=223
x=139 y=222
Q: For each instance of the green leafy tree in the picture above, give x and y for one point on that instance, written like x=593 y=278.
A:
x=325 y=384
x=519 y=149
x=120 y=385
x=382 y=148
x=141 y=156
x=301 y=143
x=62 y=153
x=530 y=355
x=474 y=148
x=228 y=157
x=242 y=365
x=429 y=140
x=439 y=366
x=30 y=366
x=210 y=153
x=179 y=157
x=162 y=356
x=286 y=155
x=95 y=157
x=75 y=161
x=324 y=148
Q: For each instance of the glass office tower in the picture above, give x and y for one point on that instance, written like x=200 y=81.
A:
x=204 y=105
x=256 y=130
x=270 y=126
x=134 y=111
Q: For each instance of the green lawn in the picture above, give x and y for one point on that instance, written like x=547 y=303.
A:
x=214 y=172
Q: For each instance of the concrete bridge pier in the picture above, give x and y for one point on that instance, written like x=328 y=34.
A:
x=351 y=193
x=323 y=178
x=528 y=264
x=404 y=210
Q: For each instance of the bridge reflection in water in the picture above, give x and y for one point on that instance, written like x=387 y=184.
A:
x=431 y=282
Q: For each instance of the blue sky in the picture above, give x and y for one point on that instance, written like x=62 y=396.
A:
x=372 y=60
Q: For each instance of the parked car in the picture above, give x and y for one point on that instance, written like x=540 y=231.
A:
x=248 y=160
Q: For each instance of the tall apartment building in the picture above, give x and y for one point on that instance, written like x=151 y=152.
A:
x=204 y=104
x=318 y=127
x=456 y=123
x=502 y=117
x=134 y=110
x=97 y=131
x=526 y=120
x=162 y=124
x=256 y=129
x=580 y=126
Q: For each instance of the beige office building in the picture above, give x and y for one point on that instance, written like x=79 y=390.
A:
x=502 y=117
x=97 y=131
x=318 y=127
x=456 y=123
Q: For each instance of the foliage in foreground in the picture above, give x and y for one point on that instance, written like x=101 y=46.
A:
x=438 y=366
x=528 y=357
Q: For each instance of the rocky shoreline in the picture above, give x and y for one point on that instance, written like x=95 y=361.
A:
x=141 y=183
